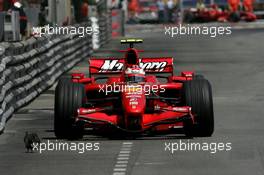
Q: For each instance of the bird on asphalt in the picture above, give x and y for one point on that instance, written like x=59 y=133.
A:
x=30 y=139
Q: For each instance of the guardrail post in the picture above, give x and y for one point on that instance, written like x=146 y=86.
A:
x=2 y=26
x=16 y=25
x=12 y=27
x=52 y=11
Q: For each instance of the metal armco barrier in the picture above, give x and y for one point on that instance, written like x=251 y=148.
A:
x=105 y=28
x=118 y=20
x=30 y=67
x=95 y=37
x=2 y=26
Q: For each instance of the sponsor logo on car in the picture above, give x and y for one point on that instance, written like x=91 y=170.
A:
x=116 y=65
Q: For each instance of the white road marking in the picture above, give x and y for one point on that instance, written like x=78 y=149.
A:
x=150 y=163
x=119 y=173
x=127 y=146
x=123 y=159
x=23 y=119
x=122 y=162
x=121 y=165
x=10 y=131
x=124 y=152
x=123 y=155
x=126 y=149
x=120 y=169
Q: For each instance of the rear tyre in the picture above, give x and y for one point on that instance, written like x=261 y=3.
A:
x=234 y=17
x=198 y=76
x=198 y=95
x=69 y=97
x=189 y=17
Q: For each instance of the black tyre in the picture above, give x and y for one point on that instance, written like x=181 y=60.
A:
x=189 y=17
x=198 y=76
x=234 y=17
x=69 y=97
x=198 y=95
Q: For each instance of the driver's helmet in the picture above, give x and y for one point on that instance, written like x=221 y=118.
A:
x=134 y=74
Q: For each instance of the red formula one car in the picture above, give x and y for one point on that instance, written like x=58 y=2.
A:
x=215 y=14
x=127 y=95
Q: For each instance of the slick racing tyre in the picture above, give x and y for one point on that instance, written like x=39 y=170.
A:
x=69 y=97
x=189 y=17
x=198 y=76
x=198 y=95
x=234 y=17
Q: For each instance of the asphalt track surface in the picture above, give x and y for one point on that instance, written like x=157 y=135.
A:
x=234 y=65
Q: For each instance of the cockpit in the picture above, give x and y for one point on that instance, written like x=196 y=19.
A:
x=135 y=74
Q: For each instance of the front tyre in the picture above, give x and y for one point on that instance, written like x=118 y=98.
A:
x=198 y=95
x=69 y=97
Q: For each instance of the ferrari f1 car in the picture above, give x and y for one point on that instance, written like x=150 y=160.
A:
x=128 y=95
x=214 y=14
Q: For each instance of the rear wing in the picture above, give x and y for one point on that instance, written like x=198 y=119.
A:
x=115 y=65
x=131 y=42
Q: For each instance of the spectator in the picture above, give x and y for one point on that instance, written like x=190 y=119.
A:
x=233 y=5
x=200 y=5
x=248 y=5
x=7 y=4
x=161 y=8
x=176 y=12
x=1 y=5
x=77 y=10
x=115 y=4
x=234 y=9
x=22 y=16
x=42 y=15
x=84 y=11
x=43 y=5
x=121 y=4
x=170 y=5
x=133 y=7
